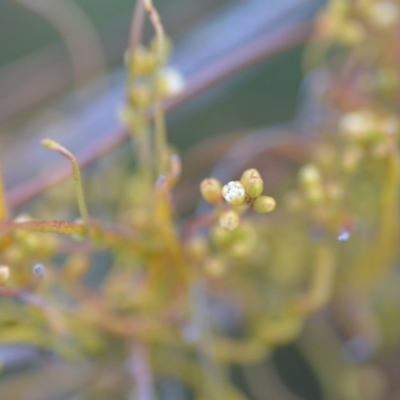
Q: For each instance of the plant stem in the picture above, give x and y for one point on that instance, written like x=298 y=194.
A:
x=61 y=227
x=52 y=145
x=136 y=26
x=3 y=206
x=160 y=133
x=159 y=118
x=376 y=261
x=156 y=21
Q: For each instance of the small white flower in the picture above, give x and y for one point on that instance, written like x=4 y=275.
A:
x=234 y=193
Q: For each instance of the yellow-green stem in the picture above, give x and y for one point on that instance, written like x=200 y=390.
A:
x=160 y=134
x=375 y=262
x=52 y=145
x=322 y=282
x=159 y=120
x=143 y=147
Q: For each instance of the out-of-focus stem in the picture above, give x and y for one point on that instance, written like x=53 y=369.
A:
x=375 y=262
x=160 y=134
x=322 y=282
x=136 y=26
x=141 y=371
x=61 y=227
x=156 y=21
x=159 y=118
x=105 y=236
x=3 y=205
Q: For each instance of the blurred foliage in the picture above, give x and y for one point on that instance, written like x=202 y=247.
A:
x=191 y=301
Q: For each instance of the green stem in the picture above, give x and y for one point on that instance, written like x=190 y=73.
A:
x=52 y=145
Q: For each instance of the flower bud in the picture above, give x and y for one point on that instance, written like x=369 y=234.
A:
x=357 y=126
x=220 y=237
x=211 y=190
x=215 y=267
x=165 y=46
x=264 y=204
x=240 y=250
x=309 y=176
x=140 y=96
x=245 y=234
x=229 y=220
x=4 y=274
x=249 y=174
x=254 y=186
x=142 y=61
x=234 y=193
x=315 y=195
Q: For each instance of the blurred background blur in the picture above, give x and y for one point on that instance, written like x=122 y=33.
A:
x=61 y=70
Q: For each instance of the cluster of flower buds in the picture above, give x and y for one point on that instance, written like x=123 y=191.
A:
x=367 y=134
x=316 y=189
x=346 y=22
x=311 y=183
x=146 y=67
x=247 y=191
x=365 y=127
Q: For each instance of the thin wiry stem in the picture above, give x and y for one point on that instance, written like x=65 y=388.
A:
x=136 y=26
x=52 y=145
x=157 y=24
